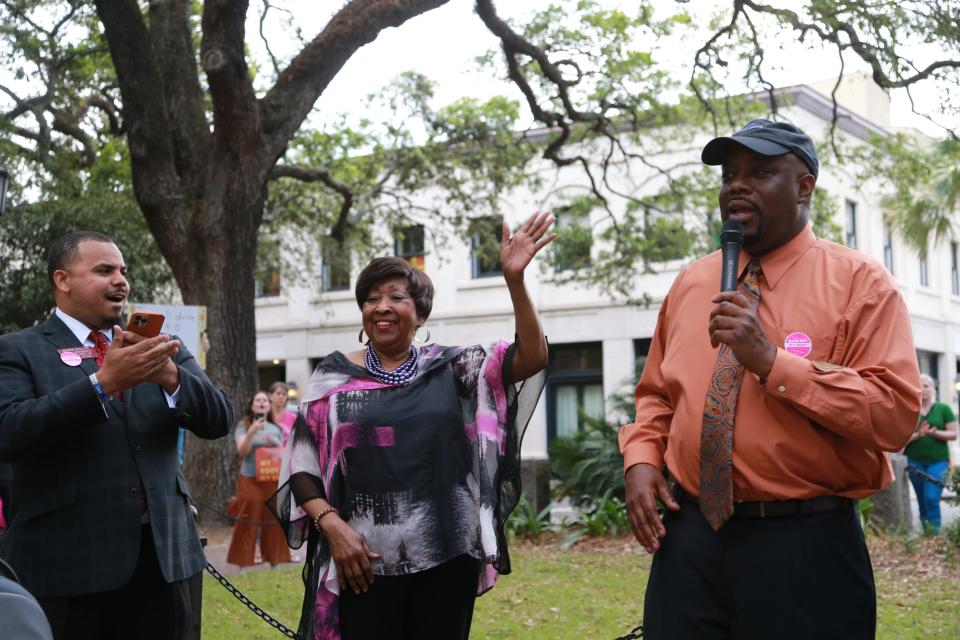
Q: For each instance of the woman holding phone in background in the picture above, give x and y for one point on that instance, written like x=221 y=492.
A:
x=256 y=430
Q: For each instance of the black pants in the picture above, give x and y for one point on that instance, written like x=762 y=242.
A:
x=786 y=578
x=436 y=604
x=146 y=608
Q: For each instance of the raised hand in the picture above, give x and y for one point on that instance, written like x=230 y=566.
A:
x=133 y=359
x=518 y=250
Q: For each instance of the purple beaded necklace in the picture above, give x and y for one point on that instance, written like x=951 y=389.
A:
x=401 y=375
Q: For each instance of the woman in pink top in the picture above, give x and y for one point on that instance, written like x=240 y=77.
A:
x=279 y=392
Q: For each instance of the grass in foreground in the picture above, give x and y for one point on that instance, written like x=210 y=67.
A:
x=595 y=591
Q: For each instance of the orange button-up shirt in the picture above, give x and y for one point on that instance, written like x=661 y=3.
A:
x=821 y=423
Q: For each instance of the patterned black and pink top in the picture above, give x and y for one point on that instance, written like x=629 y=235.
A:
x=425 y=471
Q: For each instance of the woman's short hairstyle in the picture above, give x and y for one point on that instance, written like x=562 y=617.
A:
x=927 y=378
x=418 y=284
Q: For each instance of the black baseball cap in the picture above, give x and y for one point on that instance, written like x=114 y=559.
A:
x=767 y=138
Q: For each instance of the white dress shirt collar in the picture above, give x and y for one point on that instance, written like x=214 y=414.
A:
x=81 y=330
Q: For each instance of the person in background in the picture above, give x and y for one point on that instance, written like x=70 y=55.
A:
x=928 y=455
x=257 y=429
x=404 y=462
x=279 y=393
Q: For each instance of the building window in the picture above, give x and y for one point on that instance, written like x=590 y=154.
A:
x=266 y=271
x=408 y=244
x=575 y=387
x=851 y=208
x=929 y=363
x=954 y=272
x=924 y=270
x=887 y=247
x=336 y=267
x=571 y=249
x=268 y=373
x=485 y=236
x=641 y=348
x=266 y=283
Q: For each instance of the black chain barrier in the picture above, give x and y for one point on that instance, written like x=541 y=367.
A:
x=636 y=632
x=221 y=512
x=239 y=595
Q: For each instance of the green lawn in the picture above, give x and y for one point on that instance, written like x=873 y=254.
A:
x=595 y=593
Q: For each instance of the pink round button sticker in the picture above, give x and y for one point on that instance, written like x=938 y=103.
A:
x=798 y=343
x=70 y=358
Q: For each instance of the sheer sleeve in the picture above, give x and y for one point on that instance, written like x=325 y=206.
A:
x=301 y=480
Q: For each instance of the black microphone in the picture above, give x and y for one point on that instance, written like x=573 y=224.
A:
x=731 y=240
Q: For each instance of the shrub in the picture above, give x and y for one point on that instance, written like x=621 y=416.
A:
x=527 y=522
x=588 y=464
x=605 y=517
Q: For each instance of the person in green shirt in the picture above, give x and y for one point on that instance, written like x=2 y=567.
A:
x=928 y=455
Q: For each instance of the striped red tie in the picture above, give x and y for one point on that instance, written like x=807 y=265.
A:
x=716 y=434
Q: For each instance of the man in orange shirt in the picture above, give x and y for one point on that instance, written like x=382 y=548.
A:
x=817 y=373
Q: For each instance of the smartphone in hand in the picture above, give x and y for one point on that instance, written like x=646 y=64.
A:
x=145 y=323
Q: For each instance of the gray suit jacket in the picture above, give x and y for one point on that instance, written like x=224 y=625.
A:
x=78 y=474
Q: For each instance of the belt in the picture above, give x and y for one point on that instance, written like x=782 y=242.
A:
x=778 y=508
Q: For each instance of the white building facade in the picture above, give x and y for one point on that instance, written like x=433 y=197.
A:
x=596 y=340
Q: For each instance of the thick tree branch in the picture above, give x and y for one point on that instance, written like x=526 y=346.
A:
x=323 y=176
x=306 y=77
x=183 y=97
x=152 y=160
x=513 y=45
x=888 y=79
x=109 y=109
x=223 y=59
x=67 y=125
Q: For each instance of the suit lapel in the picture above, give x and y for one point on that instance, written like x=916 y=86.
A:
x=59 y=335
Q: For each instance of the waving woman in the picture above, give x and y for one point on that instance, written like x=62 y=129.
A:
x=404 y=462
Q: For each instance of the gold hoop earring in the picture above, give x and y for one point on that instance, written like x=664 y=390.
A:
x=360 y=337
x=417 y=339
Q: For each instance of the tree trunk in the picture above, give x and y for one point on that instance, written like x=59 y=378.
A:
x=891 y=507
x=217 y=271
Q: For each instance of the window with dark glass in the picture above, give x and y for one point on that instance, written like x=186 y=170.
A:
x=641 y=348
x=924 y=269
x=266 y=283
x=887 y=247
x=336 y=267
x=574 y=387
x=485 y=236
x=929 y=363
x=851 y=210
x=408 y=244
x=267 y=374
x=266 y=271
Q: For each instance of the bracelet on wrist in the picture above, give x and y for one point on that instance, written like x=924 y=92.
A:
x=316 y=518
x=104 y=398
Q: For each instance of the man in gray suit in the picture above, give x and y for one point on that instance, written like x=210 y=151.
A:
x=102 y=531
